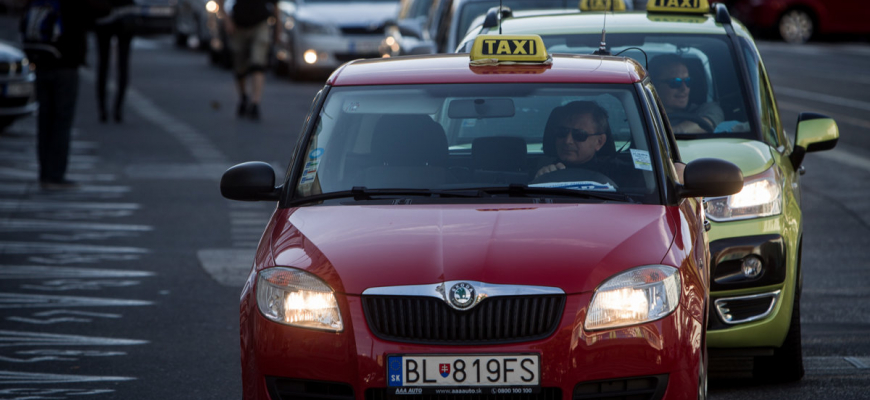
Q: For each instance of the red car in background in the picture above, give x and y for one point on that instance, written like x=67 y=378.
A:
x=797 y=21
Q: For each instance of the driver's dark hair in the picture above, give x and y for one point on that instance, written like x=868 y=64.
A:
x=659 y=64
x=561 y=113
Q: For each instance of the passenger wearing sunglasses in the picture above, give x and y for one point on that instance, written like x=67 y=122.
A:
x=674 y=86
x=575 y=134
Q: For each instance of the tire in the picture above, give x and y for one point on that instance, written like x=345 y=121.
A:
x=787 y=363
x=796 y=26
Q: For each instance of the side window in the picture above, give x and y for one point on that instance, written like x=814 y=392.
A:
x=768 y=112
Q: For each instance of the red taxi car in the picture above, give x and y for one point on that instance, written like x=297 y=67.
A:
x=426 y=244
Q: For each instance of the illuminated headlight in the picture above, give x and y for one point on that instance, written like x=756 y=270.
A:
x=761 y=197
x=295 y=297
x=211 y=6
x=635 y=296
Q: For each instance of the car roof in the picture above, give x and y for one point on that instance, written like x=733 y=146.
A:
x=455 y=68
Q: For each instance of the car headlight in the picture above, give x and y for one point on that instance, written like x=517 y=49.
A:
x=295 y=297
x=761 y=196
x=312 y=28
x=635 y=296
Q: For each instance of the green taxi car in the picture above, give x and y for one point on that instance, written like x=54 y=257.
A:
x=729 y=112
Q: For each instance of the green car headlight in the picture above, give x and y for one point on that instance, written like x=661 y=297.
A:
x=761 y=197
x=635 y=296
x=295 y=297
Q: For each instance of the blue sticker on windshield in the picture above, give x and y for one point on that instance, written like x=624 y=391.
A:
x=316 y=153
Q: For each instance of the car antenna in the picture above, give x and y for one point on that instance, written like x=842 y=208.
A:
x=602 y=48
x=499 y=16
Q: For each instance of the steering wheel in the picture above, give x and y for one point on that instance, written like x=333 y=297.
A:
x=677 y=117
x=574 y=175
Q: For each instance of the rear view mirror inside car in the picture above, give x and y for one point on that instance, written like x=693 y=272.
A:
x=481 y=108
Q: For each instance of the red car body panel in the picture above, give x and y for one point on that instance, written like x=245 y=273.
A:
x=402 y=245
x=454 y=68
x=832 y=16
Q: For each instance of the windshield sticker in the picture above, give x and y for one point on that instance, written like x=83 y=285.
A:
x=351 y=106
x=641 y=159
x=316 y=153
x=581 y=185
x=469 y=123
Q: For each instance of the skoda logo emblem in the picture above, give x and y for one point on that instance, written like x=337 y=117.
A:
x=462 y=295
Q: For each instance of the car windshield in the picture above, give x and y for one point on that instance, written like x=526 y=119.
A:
x=713 y=90
x=494 y=138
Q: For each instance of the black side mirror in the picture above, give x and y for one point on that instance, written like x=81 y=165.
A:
x=250 y=181
x=711 y=177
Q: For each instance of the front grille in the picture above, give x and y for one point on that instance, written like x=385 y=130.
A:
x=639 y=388
x=12 y=68
x=494 y=320
x=297 y=389
x=363 y=30
x=735 y=310
x=543 y=394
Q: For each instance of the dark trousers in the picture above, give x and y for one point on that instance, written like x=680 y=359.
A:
x=105 y=33
x=57 y=91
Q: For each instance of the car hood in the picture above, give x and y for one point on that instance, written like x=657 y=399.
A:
x=571 y=246
x=753 y=157
x=355 y=13
x=9 y=53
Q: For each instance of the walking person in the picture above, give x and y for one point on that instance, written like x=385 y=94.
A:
x=249 y=37
x=116 y=26
x=54 y=38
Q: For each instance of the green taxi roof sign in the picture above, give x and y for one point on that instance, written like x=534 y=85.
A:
x=602 y=5
x=509 y=49
x=678 y=6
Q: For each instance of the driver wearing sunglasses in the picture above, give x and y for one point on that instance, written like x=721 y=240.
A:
x=674 y=86
x=579 y=130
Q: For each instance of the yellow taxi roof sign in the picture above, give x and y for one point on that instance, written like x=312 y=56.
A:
x=509 y=48
x=602 y=5
x=678 y=6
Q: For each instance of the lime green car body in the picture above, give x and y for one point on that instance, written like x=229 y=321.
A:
x=767 y=331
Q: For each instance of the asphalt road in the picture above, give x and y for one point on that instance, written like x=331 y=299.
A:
x=128 y=288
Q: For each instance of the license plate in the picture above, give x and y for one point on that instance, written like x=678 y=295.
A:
x=486 y=373
x=19 y=89
x=363 y=47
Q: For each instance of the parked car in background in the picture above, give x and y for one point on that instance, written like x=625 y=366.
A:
x=320 y=35
x=191 y=23
x=797 y=21
x=17 y=91
x=150 y=17
x=436 y=26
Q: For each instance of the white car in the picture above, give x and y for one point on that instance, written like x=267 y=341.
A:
x=320 y=35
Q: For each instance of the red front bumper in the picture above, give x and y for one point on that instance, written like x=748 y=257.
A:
x=352 y=363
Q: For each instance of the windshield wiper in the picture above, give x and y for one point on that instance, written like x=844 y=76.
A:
x=363 y=193
x=519 y=190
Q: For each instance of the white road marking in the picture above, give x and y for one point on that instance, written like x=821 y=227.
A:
x=18 y=339
x=47 y=272
x=18 y=378
x=229 y=267
x=56 y=248
x=60 y=285
x=36 y=394
x=19 y=225
x=35 y=205
x=52 y=321
x=824 y=98
x=19 y=300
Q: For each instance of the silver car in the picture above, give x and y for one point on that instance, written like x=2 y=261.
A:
x=320 y=35
x=17 y=91
x=436 y=26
